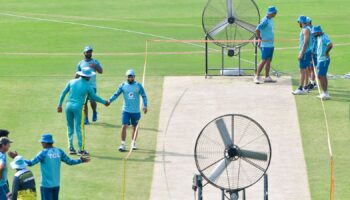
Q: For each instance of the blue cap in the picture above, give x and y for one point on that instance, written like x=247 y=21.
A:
x=271 y=10
x=316 y=29
x=308 y=20
x=18 y=163
x=302 y=19
x=88 y=48
x=130 y=72
x=46 y=138
x=86 y=72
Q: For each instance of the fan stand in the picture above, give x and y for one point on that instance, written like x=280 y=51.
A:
x=198 y=188
x=231 y=51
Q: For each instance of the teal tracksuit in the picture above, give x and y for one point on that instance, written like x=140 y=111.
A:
x=78 y=90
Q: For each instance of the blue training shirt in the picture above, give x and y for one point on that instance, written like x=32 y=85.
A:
x=322 y=43
x=310 y=44
x=78 y=90
x=267 y=32
x=314 y=42
x=50 y=165
x=131 y=93
x=85 y=63
x=3 y=160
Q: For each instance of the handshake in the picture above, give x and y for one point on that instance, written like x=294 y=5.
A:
x=59 y=108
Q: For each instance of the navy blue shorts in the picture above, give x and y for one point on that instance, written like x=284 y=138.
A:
x=305 y=61
x=322 y=67
x=267 y=52
x=4 y=189
x=89 y=98
x=49 y=193
x=130 y=118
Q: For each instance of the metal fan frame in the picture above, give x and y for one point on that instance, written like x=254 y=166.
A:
x=221 y=44
x=214 y=184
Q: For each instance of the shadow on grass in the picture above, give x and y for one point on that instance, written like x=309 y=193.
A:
x=340 y=94
x=108 y=125
x=151 y=154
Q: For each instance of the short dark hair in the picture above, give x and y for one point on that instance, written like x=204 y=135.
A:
x=4 y=133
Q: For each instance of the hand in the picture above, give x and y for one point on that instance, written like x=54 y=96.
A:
x=84 y=159
x=300 y=56
x=9 y=195
x=107 y=103
x=93 y=65
x=59 y=109
x=12 y=154
x=144 y=110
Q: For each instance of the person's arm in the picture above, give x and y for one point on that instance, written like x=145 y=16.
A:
x=144 y=99
x=63 y=95
x=78 y=70
x=116 y=94
x=97 y=66
x=306 y=42
x=93 y=95
x=69 y=161
x=2 y=169
x=261 y=26
x=329 y=48
x=38 y=158
x=15 y=186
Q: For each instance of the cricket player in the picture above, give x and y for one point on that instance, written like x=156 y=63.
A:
x=324 y=46
x=311 y=72
x=131 y=114
x=5 y=144
x=304 y=56
x=50 y=159
x=96 y=67
x=78 y=90
x=265 y=32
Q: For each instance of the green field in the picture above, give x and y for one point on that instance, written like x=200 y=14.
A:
x=42 y=41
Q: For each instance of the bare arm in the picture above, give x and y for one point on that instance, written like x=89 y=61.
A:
x=306 y=41
x=2 y=169
x=329 y=48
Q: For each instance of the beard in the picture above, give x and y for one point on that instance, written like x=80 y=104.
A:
x=88 y=56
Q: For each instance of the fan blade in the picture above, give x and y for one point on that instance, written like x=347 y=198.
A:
x=229 y=8
x=247 y=26
x=219 y=169
x=218 y=28
x=225 y=136
x=252 y=154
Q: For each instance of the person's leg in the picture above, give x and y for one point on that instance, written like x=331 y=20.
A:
x=55 y=193
x=267 y=67
x=260 y=67
x=70 y=124
x=135 y=118
x=46 y=193
x=86 y=113
x=123 y=133
x=3 y=193
x=94 y=108
x=323 y=83
x=79 y=127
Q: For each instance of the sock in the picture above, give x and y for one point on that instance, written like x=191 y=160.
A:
x=301 y=87
x=312 y=82
x=123 y=142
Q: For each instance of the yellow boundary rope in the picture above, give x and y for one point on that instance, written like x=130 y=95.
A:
x=125 y=160
x=332 y=181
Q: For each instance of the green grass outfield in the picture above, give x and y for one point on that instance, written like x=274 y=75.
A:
x=31 y=83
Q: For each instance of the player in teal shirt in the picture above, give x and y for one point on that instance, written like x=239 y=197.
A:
x=265 y=32
x=4 y=148
x=311 y=72
x=131 y=114
x=324 y=46
x=78 y=90
x=50 y=165
x=96 y=67
x=304 y=57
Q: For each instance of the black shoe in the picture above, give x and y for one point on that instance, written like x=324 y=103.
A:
x=83 y=153
x=72 y=151
x=311 y=86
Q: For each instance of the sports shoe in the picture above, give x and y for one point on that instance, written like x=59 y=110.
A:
x=86 y=121
x=83 y=153
x=311 y=86
x=324 y=96
x=269 y=80
x=94 y=116
x=257 y=80
x=72 y=151
x=299 y=92
x=122 y=148
x=133 y=145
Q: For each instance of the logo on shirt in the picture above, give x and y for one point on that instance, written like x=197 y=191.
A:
x=131 y=95
x=53 y=155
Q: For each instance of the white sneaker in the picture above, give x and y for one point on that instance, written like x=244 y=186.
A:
x=269 y=80
x=299 y=92
x=122 y=148
x=133 y=145
x=257 y=80
x=324 y=96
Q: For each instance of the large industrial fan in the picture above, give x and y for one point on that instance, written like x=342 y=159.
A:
x=230 y=24
x=232 y=153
